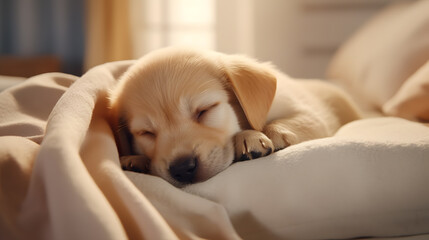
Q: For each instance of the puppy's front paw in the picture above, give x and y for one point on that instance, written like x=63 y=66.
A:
x=251 y=144
x=135 y=163
x=280 y=136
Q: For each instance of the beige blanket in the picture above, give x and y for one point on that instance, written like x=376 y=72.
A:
x=60 y=177
x=59 y=170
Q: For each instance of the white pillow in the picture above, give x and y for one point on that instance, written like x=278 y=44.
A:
x=412 y=99
x=369 y=180
x=376 y=60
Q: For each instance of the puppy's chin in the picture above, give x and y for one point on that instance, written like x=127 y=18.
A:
x=215 y=162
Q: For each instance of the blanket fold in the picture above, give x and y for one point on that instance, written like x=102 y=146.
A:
x=65 y=180
x=60 y=177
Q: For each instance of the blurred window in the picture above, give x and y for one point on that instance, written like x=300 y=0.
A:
x=161 y=23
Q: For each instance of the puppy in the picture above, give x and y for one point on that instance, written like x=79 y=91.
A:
x=186 y=115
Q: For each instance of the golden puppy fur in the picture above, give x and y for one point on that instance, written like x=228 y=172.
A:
x=185 y=115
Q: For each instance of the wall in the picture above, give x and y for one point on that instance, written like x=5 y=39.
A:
x=299 y=36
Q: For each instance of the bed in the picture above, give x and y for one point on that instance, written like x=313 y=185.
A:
x=60 y=176
x=9 y=81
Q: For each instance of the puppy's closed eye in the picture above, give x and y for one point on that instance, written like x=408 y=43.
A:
x=145 y=133
x=202 y=112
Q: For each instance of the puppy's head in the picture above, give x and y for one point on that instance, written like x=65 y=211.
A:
x=181 y=109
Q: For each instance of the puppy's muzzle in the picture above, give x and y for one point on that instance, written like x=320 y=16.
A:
x=184 y=168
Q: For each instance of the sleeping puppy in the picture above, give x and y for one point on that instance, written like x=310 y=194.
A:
x=185 y=115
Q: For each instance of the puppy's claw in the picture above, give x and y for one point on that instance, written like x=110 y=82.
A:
x=280 y=136
x=262 y=143
x=135 y=163
x=269 y=149
x=253 y=155
x=251 y=144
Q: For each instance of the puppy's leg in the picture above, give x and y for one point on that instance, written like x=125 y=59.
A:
x=135 y=163
x=279 y=134
x=251 y=144
x=289 y=131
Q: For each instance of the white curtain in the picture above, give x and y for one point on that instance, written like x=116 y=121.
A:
x=161 y=23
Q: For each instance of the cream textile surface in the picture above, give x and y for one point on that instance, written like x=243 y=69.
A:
x=71 y=185
x=412 y=99
x=374 y=63
x=60 y=177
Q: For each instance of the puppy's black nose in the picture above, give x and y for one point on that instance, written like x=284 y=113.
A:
x=183 y=169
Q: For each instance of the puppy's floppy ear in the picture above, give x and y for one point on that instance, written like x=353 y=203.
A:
x=254 y=86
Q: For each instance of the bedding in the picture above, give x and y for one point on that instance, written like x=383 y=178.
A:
x=9 y=81
x=60 y=176
x=412 y=99
x=374 y=63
